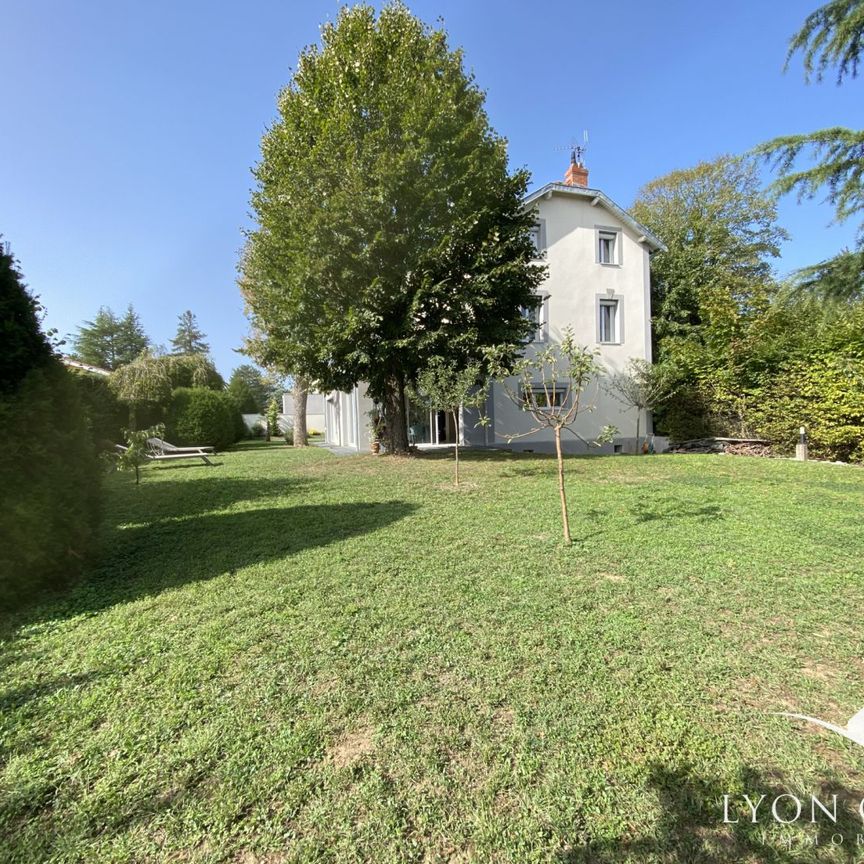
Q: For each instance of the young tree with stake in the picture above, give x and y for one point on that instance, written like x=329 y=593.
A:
x=551 y=387
x=446 y=388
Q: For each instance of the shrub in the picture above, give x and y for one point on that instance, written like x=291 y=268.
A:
x=272 y=417
x=241 y=431
x=49 y=473
x=200 y=416
x=50 y=479
x=825 y=394
x=106 y=415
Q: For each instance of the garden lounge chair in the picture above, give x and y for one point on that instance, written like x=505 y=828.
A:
x=158 y=445
x=158 y=454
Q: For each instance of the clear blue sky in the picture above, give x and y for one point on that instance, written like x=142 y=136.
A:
x=129 y=129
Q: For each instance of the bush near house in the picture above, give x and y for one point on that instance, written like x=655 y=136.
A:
x=200 y=416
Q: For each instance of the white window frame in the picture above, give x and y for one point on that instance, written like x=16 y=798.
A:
x=538 y=234
x=607 y=232
x=541 y=331
x=604 y=300
x=539 y=389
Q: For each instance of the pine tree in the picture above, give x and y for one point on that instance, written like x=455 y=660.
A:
x=833 y=35
x=189 y=339
x=108 y=341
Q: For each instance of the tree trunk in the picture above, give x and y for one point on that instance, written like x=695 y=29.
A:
x=395 y=415
x=638 y=442
x=301 y=393
x=565 y=519
x=456 y=425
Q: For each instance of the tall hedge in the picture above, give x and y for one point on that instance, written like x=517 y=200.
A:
x=200 y=416
x=49 y=474
x=107 y=416
x=825 y=394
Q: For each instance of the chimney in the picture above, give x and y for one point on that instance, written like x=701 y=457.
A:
x=577 y=173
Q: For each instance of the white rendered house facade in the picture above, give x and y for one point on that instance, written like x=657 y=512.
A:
x=598 y=284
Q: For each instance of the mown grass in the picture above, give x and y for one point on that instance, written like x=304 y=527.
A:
x=295 y=657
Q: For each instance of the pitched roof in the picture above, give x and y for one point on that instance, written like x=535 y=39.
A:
x=86 y=367
x=652 y=241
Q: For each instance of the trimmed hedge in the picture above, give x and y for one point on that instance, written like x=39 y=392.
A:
x=49 y=475
x=107 y=416
x=200 y=416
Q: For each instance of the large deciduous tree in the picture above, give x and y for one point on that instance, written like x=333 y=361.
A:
x=110 y=341
x=721 y=232
x=713 y=281
x=390 y=230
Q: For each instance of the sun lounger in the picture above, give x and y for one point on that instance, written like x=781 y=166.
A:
x=159 y=445
x=158 y=455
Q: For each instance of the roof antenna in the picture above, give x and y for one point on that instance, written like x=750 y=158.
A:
x=577 y=151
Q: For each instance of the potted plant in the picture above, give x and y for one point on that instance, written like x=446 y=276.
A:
x=376 y=430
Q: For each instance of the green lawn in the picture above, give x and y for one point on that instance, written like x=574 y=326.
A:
x=297 y=657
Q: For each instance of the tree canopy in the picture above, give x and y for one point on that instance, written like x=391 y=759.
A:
x=721 y=233
x=251 y=388
x=24 y=344
x=833 y=35
x=109 y=341
x=189 y=338
x=389 y=228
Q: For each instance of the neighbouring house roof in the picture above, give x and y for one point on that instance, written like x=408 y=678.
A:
x=86 y=367
x=598 y=198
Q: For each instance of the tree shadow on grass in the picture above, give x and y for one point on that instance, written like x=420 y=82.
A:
x=171 y=498
x=677 y=510
x=146 y=559
x=12 y=699
x=691 y=826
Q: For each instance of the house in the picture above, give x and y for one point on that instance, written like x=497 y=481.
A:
x=314 y=411
x=599 y=261
x=72 y=363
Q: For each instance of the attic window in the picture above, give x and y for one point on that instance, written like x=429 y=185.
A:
x=538 y=237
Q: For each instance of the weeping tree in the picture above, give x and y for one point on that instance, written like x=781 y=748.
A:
x=445 y=388
x=143 y=384
x=146 y=383
x=551 y=388
x=389 y=228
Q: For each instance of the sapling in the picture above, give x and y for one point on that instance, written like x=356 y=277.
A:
x=551 y=389
x=445 y=388
x=134 y=454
